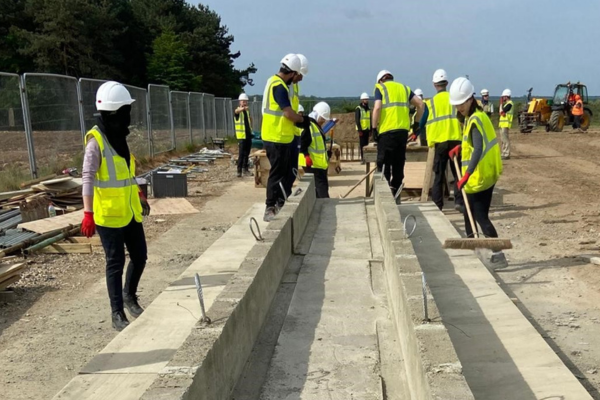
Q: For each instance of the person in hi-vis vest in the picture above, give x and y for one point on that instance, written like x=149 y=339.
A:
x=481 y=163
x=507 y=111
x=362 y=121
x=313 y=149
x=243 y=134
x=113 y=203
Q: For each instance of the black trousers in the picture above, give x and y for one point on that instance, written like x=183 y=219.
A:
x=391 y=157
x=576 y=121
x=114 y=241
x=245 y=145
x=363 y=140
x=480 y=208
x=321 y=182
x=279 y=155
x=290 y=177
x=439 y=168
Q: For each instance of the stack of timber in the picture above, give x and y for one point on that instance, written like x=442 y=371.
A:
x=64 y=193
x=10 y=274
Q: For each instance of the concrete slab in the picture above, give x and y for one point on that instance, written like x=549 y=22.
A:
x=147 y=345
x=502 y=354
x=102 y=387
x=328 y=344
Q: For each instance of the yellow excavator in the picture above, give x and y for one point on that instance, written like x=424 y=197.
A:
x=555 y=113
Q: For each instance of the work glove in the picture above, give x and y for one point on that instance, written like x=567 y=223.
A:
x=463 y=180
x=413 y=137
x=375 y=135
x=308 y=160
x=145 y=205
x=502 y=114
x=88 y=226
x=454 y=152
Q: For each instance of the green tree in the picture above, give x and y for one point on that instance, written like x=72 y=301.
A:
x=168 y=63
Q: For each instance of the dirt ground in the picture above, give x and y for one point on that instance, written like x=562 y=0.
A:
x=547 y=205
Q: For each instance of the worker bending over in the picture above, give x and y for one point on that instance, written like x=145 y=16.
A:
x=278 y=131
x=314 y=150
x=243 y=134
x=444 y=134
x=486 y=104
x=391 y=123
x=481 y=162
x=577 y=112
x=362 y=121
x=507 y=111
x=112 y=201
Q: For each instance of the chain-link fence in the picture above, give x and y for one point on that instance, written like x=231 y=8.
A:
x=44 y=118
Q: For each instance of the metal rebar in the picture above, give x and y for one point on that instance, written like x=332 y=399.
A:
x=425 y=308
x=201 y=299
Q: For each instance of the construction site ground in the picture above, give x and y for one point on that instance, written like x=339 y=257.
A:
x=548 y=205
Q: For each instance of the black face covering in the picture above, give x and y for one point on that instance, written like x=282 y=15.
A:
x=115 y=126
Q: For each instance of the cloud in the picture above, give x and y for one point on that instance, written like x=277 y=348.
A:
x=354 y=14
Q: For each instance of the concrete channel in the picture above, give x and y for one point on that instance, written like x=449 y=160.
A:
x=336 y=302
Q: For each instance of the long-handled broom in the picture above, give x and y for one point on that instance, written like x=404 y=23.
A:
x=494 y=244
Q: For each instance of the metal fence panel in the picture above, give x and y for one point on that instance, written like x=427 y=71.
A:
x=14 y=156
x=162 y=134
x=256 y=113
x=230 y=124
x=181 y=123
x=221 y=123
x=54 y=117
x=197 y=121
x=210 y=116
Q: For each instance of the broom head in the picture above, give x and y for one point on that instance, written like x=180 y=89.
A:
x=494 y=244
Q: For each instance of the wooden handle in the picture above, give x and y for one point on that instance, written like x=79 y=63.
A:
x=358 y=183
x=466 y=200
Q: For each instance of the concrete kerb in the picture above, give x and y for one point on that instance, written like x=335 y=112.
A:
x=213 y=356
x=432 y=365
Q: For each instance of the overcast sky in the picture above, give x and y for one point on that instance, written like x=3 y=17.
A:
x=503 y=43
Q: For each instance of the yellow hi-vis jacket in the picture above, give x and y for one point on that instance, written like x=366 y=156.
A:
x=275 y=127
x=395 y=107
x=116 y=193
x=489 y=167
x=442 y=124
x=507 y=120
x=240 y=126
x=365 y=119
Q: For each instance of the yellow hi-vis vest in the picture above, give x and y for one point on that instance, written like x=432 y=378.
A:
x=395 y=107
x=116 y=193
x=442 y=124
x=365 y=119
x=275 y=127
x=489 y=168
x=295 y=96
x=317 y=149
x=240 y=126
x=507 y=120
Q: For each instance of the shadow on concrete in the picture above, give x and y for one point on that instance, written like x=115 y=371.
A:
x=539 y=266
x=122 y=361
x=555 y=347
x=25 y=298
x=487 y=366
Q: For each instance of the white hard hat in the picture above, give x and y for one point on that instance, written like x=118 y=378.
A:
x=485 y=92
x=300 y=108
x=243 y=96
x=111 y=96
x=303 y=64
x=322 y=109
x=461 y=90
x=507 y=92
x=383 y=73
x=292 y=62
x=440 y=76
x=364 y=96
x=418 y=92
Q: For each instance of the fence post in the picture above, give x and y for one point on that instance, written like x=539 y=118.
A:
x=27 y=124
x=81 y=116
x=189 y=118
x=149 y=124
x=203 y=117
x=225 y=116
x=214 y=113
x=172 y=121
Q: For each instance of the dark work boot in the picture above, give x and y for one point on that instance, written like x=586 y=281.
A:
x=131 y=304
x=119 y=320
x=239 y=174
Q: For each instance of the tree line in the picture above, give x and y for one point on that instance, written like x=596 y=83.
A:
x=134 y=41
